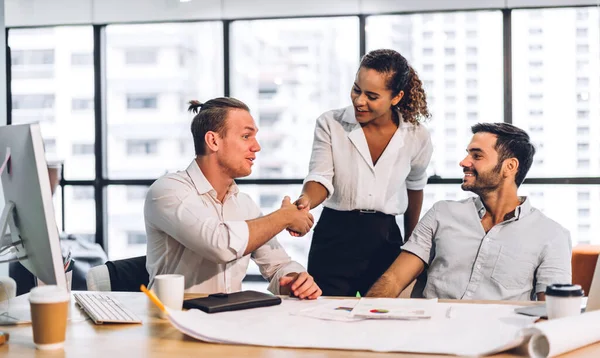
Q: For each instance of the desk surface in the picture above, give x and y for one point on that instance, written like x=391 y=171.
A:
x=157 y=338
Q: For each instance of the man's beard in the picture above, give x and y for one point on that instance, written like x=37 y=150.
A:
x=486 y=182
x=233 y=171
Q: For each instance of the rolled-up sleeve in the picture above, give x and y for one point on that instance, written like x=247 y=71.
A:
x=183 y=215
x=555 y=266
x=421 y=239
x=417 y=177
x=321 y=161
x=271 y=258
x=274 y=263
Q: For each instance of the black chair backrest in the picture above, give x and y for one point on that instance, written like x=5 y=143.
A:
x=128 y=274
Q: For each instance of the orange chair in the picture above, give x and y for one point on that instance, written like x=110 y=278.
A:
x=583 y=264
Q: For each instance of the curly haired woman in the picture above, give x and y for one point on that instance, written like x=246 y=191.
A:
x=369 y=161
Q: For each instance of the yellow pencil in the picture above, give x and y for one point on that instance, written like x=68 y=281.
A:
x=153 y=298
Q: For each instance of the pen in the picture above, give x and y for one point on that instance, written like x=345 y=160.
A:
x=68 y=260
x=70 y=265
x=153 y=298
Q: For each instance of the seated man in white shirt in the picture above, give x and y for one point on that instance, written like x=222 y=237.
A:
x=494 y=246
x=199 y=225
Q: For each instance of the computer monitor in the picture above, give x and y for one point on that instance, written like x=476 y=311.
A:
x=28 y=210
x=593 y=302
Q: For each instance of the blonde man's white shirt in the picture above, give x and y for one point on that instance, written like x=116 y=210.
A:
x=191 y=233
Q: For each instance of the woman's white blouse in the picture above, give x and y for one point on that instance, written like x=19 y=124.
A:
x=341 y=162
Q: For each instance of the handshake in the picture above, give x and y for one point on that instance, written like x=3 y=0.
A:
x=300 y=220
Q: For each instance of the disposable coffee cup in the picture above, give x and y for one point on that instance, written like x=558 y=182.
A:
x=563 y=300
x=169 y=290
x=49 y=309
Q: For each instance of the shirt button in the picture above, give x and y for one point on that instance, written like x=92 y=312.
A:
x=478 y=266
x=469 y=294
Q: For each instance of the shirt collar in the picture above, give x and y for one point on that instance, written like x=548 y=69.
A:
x=520 y=211
x=202 y=184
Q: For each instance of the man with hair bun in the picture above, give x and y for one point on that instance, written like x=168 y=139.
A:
x=201 y=226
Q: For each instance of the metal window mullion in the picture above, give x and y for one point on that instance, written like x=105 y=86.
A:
x=431 y=180
x=8 y=79
x=100 y=132
x=62 y=198
x=507 y=56
x=226 y=58
x=362 y=35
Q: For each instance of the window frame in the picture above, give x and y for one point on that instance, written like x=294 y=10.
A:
x=101 y=182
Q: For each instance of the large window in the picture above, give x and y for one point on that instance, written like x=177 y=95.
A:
x=126 y=230
x=561 y=107
x=289 y=72
x=47 y=89
x=458 y=56
x=80 y=211
x=152 y=71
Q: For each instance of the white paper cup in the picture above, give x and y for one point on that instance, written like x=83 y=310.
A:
x=563 y=300
x=169 y=290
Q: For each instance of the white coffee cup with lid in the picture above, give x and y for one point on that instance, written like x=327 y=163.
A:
x=563 y=300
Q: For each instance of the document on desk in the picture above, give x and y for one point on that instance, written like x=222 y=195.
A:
x=331 y=310
x=392 y=308
x=466 y=332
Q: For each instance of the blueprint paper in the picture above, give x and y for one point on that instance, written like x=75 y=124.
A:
x=557 y=336
x=468 y=332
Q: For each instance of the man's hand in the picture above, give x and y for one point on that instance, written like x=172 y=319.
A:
x=303 y=202
x=300 y=221
x=301 y=285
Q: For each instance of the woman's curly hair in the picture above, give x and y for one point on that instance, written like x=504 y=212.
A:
x=401 y=77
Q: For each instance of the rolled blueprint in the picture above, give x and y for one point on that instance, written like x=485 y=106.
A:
x=554 y=337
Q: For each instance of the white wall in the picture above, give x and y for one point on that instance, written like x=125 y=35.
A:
x=69 y=12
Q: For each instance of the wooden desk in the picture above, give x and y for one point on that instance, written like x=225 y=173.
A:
x=157 y=338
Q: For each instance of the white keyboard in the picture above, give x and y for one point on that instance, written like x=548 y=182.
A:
x=104 y=309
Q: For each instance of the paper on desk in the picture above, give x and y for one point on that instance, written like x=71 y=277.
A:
x=470 y=333
x=392 y=308
x=554 y=337
x=331 y=310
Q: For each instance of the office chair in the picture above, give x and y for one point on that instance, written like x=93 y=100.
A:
x=122 y=275
x=583 y=264
x=8 y=288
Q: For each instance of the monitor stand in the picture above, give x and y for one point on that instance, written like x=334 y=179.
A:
x=9 y=318
x=10 y=313
x=7 y=241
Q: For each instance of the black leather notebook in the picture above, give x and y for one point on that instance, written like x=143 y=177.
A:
x=222 y=302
